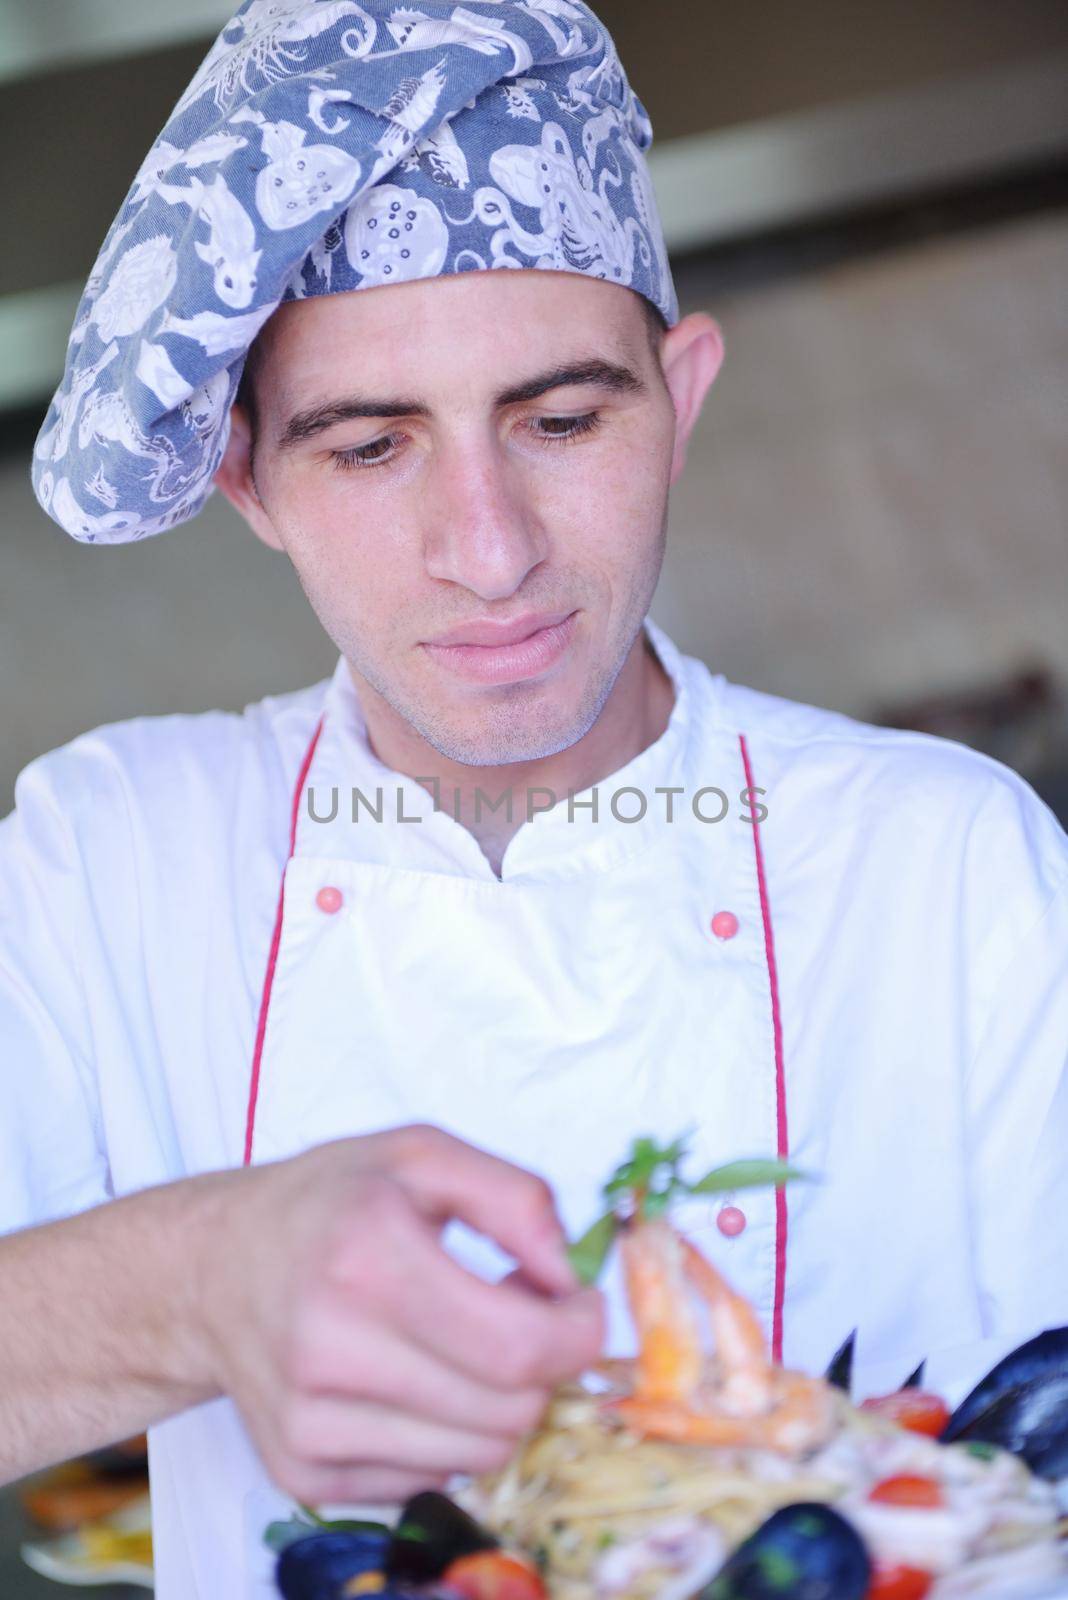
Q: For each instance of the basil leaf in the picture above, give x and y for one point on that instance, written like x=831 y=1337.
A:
x=587 y=1255
x=650 y=1169
x=744 y=1175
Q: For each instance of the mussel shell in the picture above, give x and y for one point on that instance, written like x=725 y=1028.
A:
x=432 y=1532
x=802 y=1552
x=316 y=1568
x=840 y=1370
x=1022 y=1405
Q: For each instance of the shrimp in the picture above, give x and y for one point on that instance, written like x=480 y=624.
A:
x=742 y=1351
x=740 y=1398
x=670 y=1358
x=801 y=1418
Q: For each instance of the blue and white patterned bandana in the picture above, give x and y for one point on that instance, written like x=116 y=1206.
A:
x=324 y=146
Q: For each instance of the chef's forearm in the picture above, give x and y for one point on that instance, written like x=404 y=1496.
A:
x=99 y=1326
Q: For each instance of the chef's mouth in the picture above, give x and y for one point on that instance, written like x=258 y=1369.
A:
x=526 y=659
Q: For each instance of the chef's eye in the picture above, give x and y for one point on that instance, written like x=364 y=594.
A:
x=547 y=430
x=366 y=455
x=553 y=430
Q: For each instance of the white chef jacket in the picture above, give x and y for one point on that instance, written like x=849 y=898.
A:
x=886 y=1004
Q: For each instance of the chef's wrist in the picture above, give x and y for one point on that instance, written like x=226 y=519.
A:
x=205 y=1270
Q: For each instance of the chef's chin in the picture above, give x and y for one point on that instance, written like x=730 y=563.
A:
x=510 y=723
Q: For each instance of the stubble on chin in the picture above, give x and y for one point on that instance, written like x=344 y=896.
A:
x=503 y=732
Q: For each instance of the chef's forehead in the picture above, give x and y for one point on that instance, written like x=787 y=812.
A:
x=466 y=318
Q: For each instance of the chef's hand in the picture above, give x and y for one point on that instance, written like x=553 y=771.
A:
x=366 y=1363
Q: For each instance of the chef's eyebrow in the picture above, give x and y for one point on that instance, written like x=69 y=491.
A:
x=606 y=375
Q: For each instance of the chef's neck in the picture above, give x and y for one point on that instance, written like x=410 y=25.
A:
x=633 y=717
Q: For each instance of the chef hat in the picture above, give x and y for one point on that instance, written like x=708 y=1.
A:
x=323 y=146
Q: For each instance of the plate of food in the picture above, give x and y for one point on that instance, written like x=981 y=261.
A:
x=112 y=1549
x=691 y=1473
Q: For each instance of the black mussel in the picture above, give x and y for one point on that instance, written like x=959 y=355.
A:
x=840 y=1371
x=802 y=1552
x=1022 y=1405
x=320 y=1566
x=431 y=1533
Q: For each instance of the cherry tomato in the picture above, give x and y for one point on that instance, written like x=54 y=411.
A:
x=898 y=1583
x=494 y=1575
x=907 y=1489
x=913 y=1409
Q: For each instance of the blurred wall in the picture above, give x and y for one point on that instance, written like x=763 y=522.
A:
x=699 y=66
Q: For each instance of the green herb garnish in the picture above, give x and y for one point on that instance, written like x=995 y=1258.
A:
x=587 y=1255
x=649 y=1182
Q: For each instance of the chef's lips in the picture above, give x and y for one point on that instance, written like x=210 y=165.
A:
x=489 y=652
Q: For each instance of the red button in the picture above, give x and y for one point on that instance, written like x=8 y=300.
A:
x=329 y=899
x=731 y=1222
x=724 y=924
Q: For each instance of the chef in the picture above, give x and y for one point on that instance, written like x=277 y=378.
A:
x=320 y=1020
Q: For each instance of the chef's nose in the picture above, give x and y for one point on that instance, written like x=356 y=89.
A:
x=482 y=530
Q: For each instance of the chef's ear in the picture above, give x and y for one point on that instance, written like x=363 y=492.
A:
x=236 y=479
x=691 y=354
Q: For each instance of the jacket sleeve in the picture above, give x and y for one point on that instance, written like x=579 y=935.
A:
x=1016 y=1088
x=52 y=1152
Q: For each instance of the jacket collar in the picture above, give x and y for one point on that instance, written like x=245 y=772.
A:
x=554 y=844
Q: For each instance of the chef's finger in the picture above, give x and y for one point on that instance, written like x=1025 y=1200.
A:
x=505 y=1336
x=324 y=1429
x=368 y=1484
x=450 y=1178
x=373 y=1363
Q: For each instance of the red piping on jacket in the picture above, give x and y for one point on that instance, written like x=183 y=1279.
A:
x=782 y=1137
x=272 y=958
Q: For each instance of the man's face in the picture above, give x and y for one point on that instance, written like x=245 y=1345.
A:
x=474 y=447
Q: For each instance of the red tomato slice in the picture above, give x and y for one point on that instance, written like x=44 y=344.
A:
x=913 y=1409
x=493 y=1575
x=899 y=1583
x=907 y=1489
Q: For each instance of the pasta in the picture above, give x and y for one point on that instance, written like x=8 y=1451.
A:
x=605 y=1511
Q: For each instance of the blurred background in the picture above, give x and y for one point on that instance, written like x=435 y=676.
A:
x=871 y=198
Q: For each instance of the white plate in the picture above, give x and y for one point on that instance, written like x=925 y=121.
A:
x=65 y=1560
